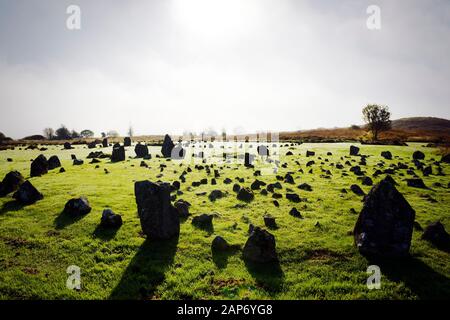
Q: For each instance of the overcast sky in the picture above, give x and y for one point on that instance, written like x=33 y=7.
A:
x=175 y=65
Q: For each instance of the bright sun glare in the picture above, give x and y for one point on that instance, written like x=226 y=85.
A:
x=222 y=18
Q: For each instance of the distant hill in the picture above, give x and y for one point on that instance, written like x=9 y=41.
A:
x=423 y=129
x=421 y=123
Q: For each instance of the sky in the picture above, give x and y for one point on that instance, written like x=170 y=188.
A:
x=171 y=66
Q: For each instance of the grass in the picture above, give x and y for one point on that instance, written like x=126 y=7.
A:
x=38 y=242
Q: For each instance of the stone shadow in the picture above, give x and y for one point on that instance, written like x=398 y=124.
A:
x=146 y=270
x=267 y=275
x=12 y=205
x=421 y=279
x=64 y=219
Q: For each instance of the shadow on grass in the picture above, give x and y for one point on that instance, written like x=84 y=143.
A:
x=12 y=205
x=269 y=276
x=146 y=270
x=105 y=234
x=417 y=276
x=220 y=258
x=64 y=219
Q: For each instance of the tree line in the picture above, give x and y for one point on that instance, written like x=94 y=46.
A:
x=63 y=133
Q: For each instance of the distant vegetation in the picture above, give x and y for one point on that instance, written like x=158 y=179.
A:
x=377 y=118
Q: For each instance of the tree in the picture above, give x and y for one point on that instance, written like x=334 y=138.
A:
x=49 y=133
x=103 y=134
x=63 y=133
x=130 y=131
x=112 y=133
x=87 y=133
x=377 y=118
x=74 y=135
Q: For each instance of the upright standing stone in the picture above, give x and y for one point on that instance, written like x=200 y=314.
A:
x=260 y=247
x=127 y=141
x=159 y=219
x=118 y=154
x=167 y=147
x=39 y=166
x=11 y=182
x=141 y=150
x=105 y=143
x=385 y=224
x=27 y=194
x=53 y=162
x=354 y=151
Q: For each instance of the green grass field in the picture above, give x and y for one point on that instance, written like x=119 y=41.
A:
x=38 y=243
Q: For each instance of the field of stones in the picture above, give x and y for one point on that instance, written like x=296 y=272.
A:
x=278 y=221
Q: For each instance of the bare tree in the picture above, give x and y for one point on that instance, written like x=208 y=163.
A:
x=130 y=131
x=377 y=118
x=49 y=133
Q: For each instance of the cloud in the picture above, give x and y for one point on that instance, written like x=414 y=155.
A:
x=253 y=65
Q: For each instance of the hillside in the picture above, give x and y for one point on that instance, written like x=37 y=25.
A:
x=419 y=129
x=421 y=123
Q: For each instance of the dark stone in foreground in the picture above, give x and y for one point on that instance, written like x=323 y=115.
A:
x=357 y=190
x=418 y=155
x=118 y=154
x=270 y=222
x=446 y=158
x=387 y=155
x=215 y=194
x=167 y=147
x=110 y=219
x=141 y=150
x=219 y=244
x=436 y=234
x=245 y=194
x=354 y=151
x=416 y=183
x=260 y=247
x=27 y=194
x=39 y=166
x=53 y=162
x=385 y=224
x=203 y=221
x=295 y=213
x=11 y=182
x=159 y=219
x=77 y=207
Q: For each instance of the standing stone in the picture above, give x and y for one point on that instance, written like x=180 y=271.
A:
x=27 y=194
x=53 y=162
x=387 y=155
x=248 y=159
x=385 y=224
x=127 y=141
x=118 y=154
x=446 y=158
x=178 y=153
x=159 y=219
x=39 y=166
x=67 y=146
x=77 y=207
x=105 y=143
x=92 y=145
x=418 y=155
x=263 y=151
x=167 y=147
x=11 y=182
x=260 y=247
x=354 y=151
x=110 y=219
x=141 y=150
x=436 y=234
